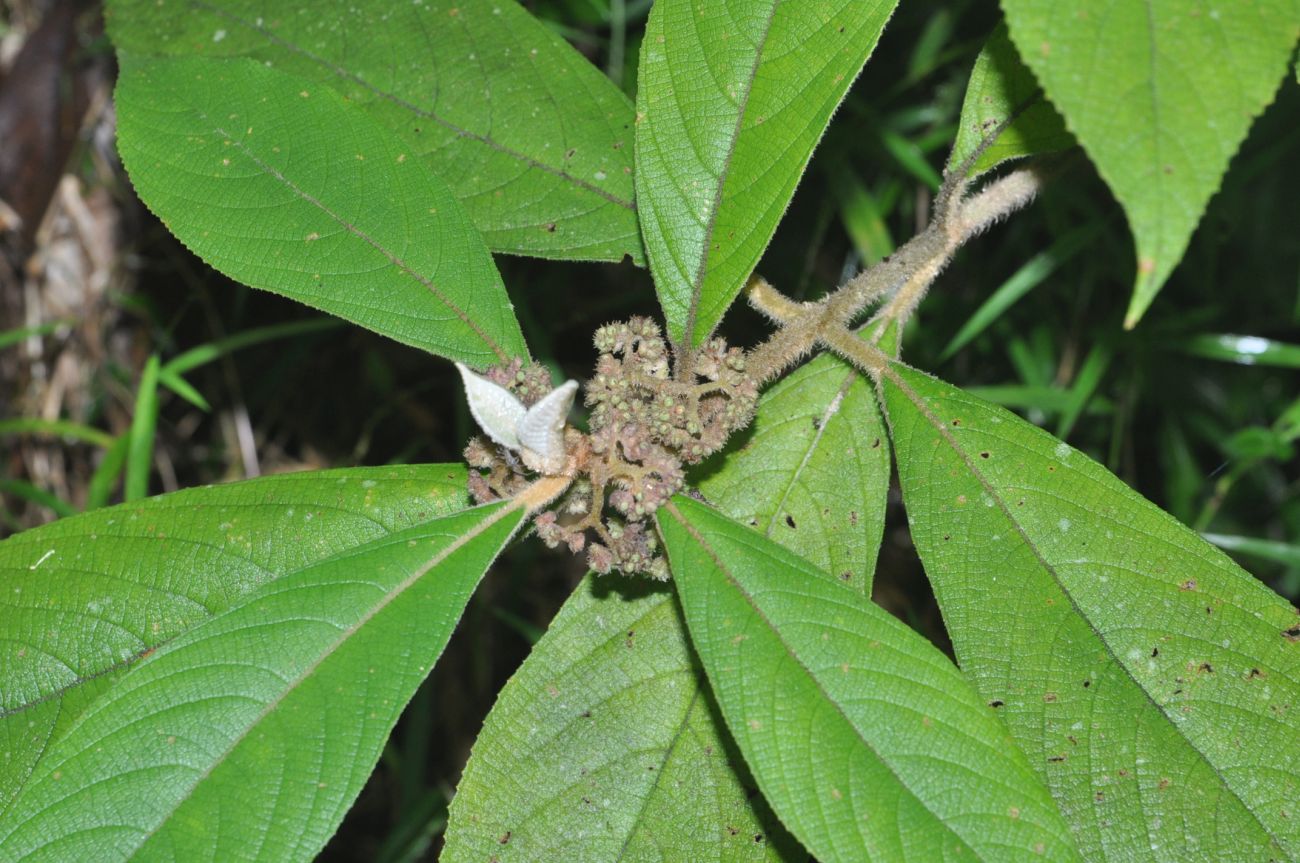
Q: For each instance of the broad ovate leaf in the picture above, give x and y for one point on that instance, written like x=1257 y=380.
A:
x=534 y=140
x=733 y=96
x=283 y=184
x=1160 y=94
x=88 y=597
x=606 y=745
x=864 y=738
x=812 y=473
x=1151 y=680
x=249 y=736
x=1001 y=88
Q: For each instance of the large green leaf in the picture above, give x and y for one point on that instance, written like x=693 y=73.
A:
x=733 y=97
x=249 y=736
x=282 y=184
x=813 y=473
x=1152 y=681
x=605 y=745
x=866 y=740
x=534 y=140
x=1000 y=85
x=1160 y=94
x=87 y=597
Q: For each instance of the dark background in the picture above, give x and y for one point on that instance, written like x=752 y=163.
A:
x=1209 y=439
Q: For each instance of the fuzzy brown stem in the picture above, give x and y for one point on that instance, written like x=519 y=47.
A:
x=998 y=200
x=768 y=301
x=865 y=356
x=542 y=492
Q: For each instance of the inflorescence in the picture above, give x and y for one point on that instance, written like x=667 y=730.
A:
x=645 y=426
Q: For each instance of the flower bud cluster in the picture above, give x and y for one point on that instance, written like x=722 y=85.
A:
x=529 y=383
x=654 y=419
x=645 y=425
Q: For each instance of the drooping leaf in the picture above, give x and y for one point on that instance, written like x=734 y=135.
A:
x=867 y=742
x=250 y=735
x=1160 y=95
x=814 y=472
x=282 y=184
x=1151 y=680
x=88 y=597
x=733 y=97
x=1001 y=85
x=606 y=745
x=534 y=140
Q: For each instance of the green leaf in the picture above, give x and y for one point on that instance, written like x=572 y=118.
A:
x=41 y=497
x=865 y=739
x=1000 y=85
x=282 y=184
x=8 y=338
x=534 y=140
x=89 y=596
x=250 y=735
x=733 y=97
x=1160 y=95
x=1151 y=680
x=57 y=428
x=182 y=388
x=1267 y=549
x=862 y=215
x=106 y=474
x=144 y=427
x=606 y=745
x=204 y=354
x=813 y=474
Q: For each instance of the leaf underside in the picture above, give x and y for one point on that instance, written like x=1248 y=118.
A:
x=606 y=745
x=1160 y=95
x=87 y=597
x=866 y=740
x=1151 y=680
x=249 y=736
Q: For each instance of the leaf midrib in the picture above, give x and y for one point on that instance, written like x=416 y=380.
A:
x=708 y=549
x=390 y=596
x=400 y=263
x=460 y=132
x=827 y=416
x=697 y=286
x=946 y=434
x=634 y=828
x=346 y=634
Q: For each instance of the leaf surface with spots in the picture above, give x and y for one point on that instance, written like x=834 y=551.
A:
x=1152 y=681
x=90 y=596
x=608 y=732
x=250 y=735
x=1160 y=94
x=864 y=738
